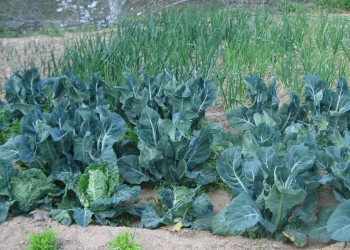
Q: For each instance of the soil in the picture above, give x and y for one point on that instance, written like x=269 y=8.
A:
x=14 y=231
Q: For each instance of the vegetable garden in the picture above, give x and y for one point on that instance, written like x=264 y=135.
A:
x=82 y=146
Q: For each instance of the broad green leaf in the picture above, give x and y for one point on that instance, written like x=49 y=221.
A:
x=15 y=90
x=149 y=217
x=101 y=216
x=239 y=120
x=183 y=121
x=239 y=215
x=299 y=159
x=46 y=151
x=289 y=112
x=342 y=102
x=107 y=154
x=202 y=206
x=9 y=150
x=267 y=157
x=299 y=239
x=249 y=146
x=338 y=225
x=4 y=209
x=69 y=200
x=168 y=128
x=183 y=198
x=207 y=97
x=30 y=186
x=31 y=81
x=121 y=193
x=177 y=172
x=337 y=139
x=230 y=169
x=199 y=148
x=131 y=171
x=98 y=187
x=257 y=91
x=263 y=118
x=83 y=148
x=23 y=107
x=336 y=153
x=281 y=201
x=207 y=173
x=319 y=231
x=112 y=128
x=80 y=189
x=307 y=208
x=263 y=134
x=167 y=198
x=147 y=126
x=82 y=216
x=7 y=172
x=323 y=160
x=314 y=87
x=27 y=152
x=63 y=216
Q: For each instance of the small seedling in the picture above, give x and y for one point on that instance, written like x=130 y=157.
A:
x=44 y=241
x=124 y=241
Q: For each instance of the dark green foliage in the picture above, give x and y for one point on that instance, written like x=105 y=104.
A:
x=166 y=112
x=78 y=149
x=274 y=169
x=73 y=147
x=178 y=205
x=336 y=4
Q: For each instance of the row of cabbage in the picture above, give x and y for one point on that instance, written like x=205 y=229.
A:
x=84 y=150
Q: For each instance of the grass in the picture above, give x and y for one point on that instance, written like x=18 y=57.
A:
x=221 y=44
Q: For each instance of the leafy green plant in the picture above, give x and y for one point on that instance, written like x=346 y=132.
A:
x=96 y=193
x=166 y=112
x=68 y=134
x=274 y=169
x=9 y=125
x=44 y=241
x=179 y=206
x=124 y=241
x=75 y=149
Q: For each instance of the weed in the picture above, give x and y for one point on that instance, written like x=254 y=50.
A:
x=44 y=241
x=130 y=133
x=124 y=241
x=8 y=129
x=257 y=233
x=50 y=29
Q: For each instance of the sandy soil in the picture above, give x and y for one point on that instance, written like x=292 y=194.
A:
x=14 y=231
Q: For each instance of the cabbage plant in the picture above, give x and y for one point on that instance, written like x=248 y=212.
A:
x=275 y=168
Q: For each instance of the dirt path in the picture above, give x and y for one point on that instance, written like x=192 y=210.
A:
x=14 y=231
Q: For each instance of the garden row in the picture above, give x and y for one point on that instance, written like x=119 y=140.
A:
x=221 y=44
x=84 y=149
